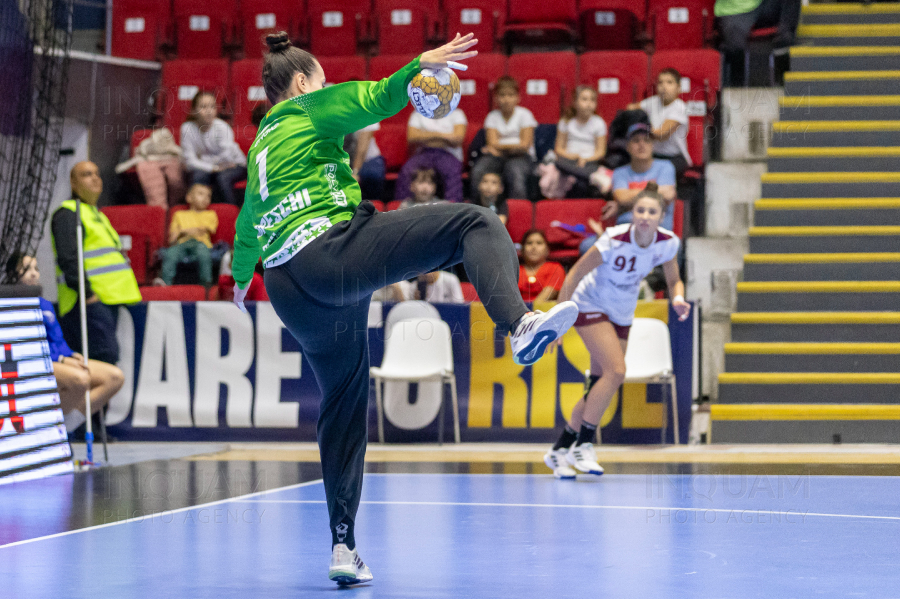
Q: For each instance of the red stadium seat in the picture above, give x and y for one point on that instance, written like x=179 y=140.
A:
x=405 y=25
x=337 y=26
x=469 y=293
x=391 y=140
x=146 y=226
x=538 y=21
x=227 y=215
x=204 y=27
x=385 y=66
x=564 y=244
x=611 y=24
x=139 y=27
x=340 y=69
x=546 y=82
x=476 y=87
x=700 y=82
x=484 y=18
x=392 y=205
x=680 y=24
x=521 y=218
x=619 y=77
x=174 y=293
x=247 y=95
x=182 y=79
x=261 y=17
x=379 y=205
x=678 y=219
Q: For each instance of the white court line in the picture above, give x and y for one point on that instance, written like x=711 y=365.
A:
x=590 y=507
x=175 y=511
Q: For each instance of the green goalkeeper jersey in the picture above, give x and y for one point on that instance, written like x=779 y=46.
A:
x=299 y=182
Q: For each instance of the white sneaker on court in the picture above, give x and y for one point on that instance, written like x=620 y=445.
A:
x=556 y=461
x=583 y=457
x=538 y=329
x=346 y=566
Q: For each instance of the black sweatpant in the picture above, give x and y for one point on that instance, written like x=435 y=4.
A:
x=322 y=295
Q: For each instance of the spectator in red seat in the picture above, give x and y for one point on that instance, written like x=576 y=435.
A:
x=211 y=155
x=539 y=279
x=490 y=195
x=157 y=161
x=423 y=189
x=73 y=377
x=190 y=236
x=367 y=162
x=580 y=145
x=436 y=287
x=509 y=131
x=669 y=120
x=437 y=144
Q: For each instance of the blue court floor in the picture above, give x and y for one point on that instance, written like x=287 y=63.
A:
x=491 y=536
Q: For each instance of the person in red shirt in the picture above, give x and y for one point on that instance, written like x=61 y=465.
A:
x=539 y=280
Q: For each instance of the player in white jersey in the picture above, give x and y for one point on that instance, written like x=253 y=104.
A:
x=604 y=284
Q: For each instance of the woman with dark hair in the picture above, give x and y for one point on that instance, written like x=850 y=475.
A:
x=539 y=279
x=325 y=253
x=210 y=154
x=605 y=283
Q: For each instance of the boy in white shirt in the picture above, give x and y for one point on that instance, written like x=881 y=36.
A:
x=669 y=120
x=437 y=144
x=510 y=140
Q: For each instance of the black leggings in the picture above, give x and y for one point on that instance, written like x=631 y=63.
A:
x=322 y=295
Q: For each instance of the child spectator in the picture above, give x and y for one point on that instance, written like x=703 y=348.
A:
x=669 y=120
x=73 y=377
x=580 y=145
x=211 y=155
x=539 y=279
x=157 y=162
x=490 y=195
x=367 y=162
x=509 y=147
x=438 y=287
x=437 y=144
x=189 y=235
x=423 y=188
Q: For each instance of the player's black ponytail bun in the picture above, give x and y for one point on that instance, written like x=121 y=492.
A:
x=282 y=62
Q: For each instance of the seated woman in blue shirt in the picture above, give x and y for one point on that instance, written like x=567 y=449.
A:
x=73 y=378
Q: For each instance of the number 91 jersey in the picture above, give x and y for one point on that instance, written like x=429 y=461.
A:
x=612 y=288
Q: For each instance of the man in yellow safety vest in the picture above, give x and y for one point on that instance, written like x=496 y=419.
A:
x=109 y=280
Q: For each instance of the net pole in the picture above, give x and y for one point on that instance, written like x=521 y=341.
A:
x=82 y=309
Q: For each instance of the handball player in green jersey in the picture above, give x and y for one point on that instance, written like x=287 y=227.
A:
x=325 y=252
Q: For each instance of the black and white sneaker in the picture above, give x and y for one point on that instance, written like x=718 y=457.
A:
x=537 y=330
x=346 y=567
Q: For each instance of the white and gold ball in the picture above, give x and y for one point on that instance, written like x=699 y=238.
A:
x=434 y=92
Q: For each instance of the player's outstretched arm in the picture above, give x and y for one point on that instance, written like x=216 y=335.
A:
x=676 y=289
x=450 y=54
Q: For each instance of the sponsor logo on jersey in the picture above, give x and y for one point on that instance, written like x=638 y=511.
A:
x=262 y=134
x=337 y=194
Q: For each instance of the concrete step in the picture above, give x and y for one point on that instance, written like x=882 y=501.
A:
x=822 y=267
x=841 y=83
x=819 y=240
x=805 y=423
x=839 y=108
x=843 y=34
x=839 y=159
x=809 y=387
x=816 y=327
x=812 y=357
x=835 y=134
x=808 y=296
x=850 y=14
x=830 y=184
x=845 y=58
x=838 y=212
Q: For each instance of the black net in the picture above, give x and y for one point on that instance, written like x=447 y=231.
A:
x=35 y=36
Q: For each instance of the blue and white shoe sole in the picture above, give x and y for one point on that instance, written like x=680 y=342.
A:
x=550 y=330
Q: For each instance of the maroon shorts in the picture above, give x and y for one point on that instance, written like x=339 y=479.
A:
x=586 y=318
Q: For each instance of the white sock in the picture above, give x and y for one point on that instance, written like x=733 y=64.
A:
x=73 y=420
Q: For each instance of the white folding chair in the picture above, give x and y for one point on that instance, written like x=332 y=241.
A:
x=409 y=309
x=417 y=350
x=648 y=359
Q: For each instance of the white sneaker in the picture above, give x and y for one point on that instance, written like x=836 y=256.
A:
x=583 y=457
x=537 y=330
x=556 y=461
x=346 y=566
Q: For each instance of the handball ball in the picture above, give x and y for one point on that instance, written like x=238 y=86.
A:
x=434 y=92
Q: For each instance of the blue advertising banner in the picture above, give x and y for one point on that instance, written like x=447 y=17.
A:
x=207 y=372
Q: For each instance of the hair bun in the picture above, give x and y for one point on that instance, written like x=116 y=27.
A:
x=278 y=42
x=652 y=186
